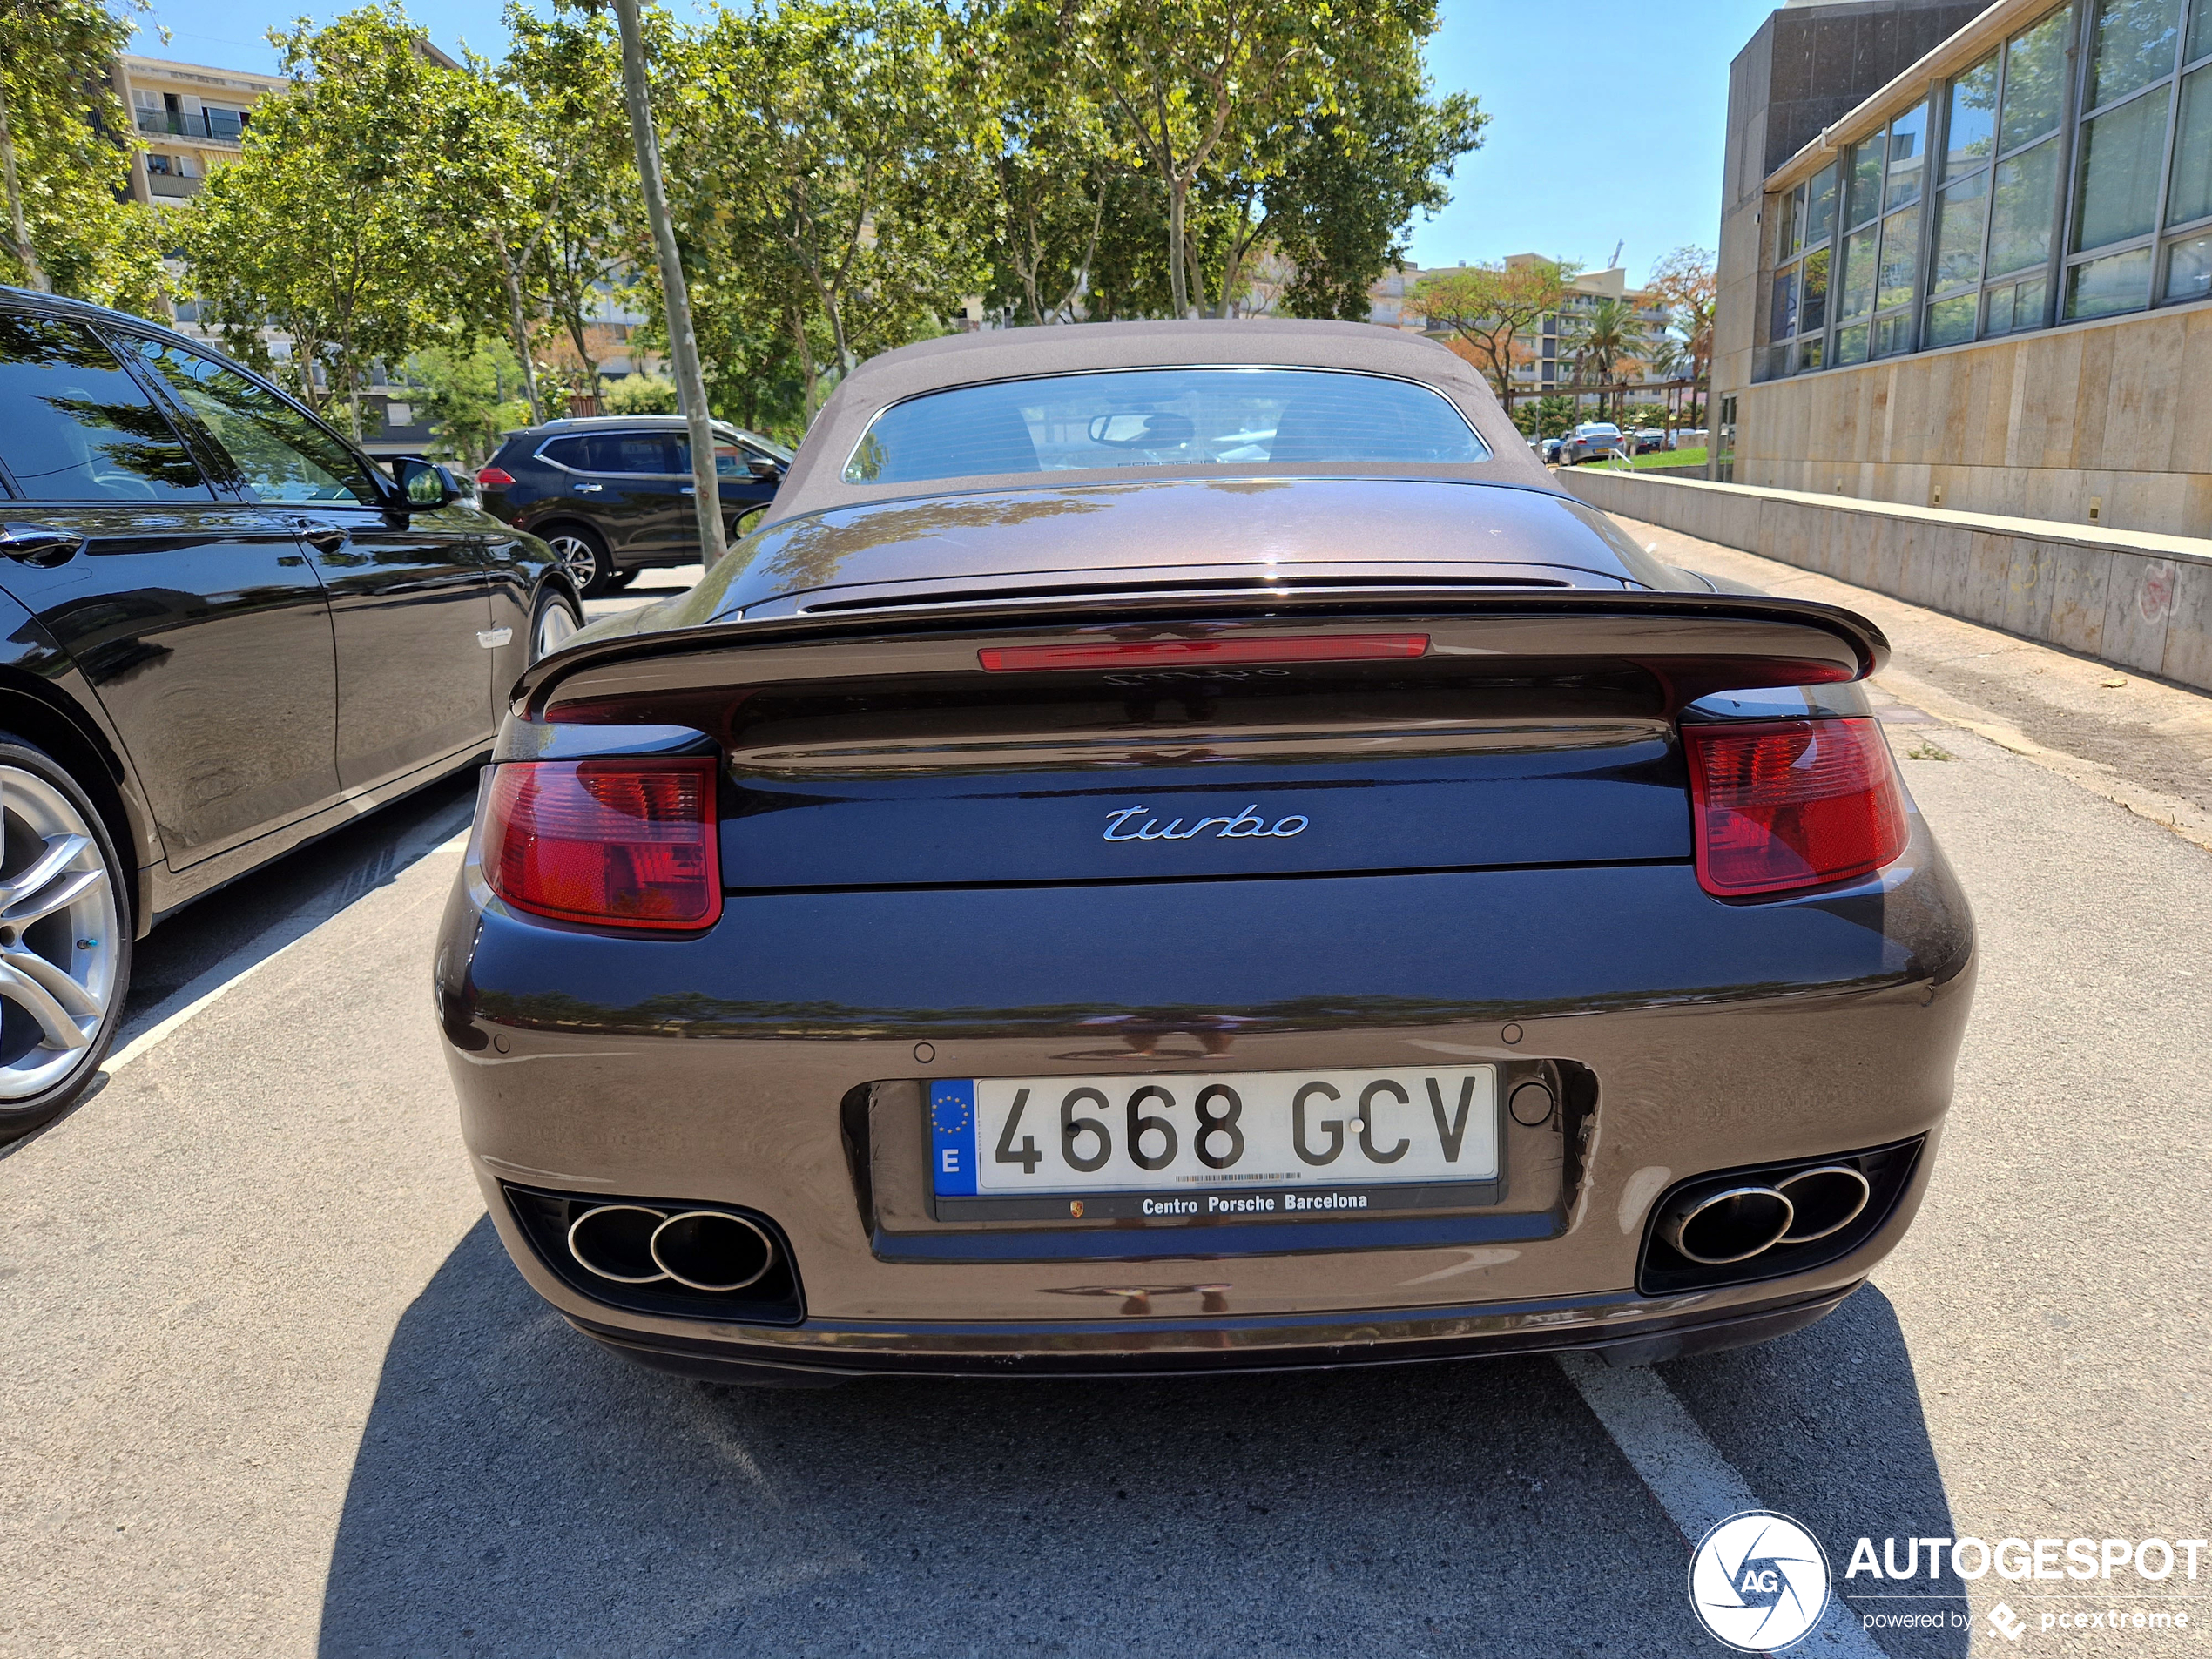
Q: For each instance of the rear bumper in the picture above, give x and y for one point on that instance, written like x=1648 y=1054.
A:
x=1624 y=1333
x=747 y=1067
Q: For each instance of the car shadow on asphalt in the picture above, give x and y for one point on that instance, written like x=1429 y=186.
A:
x=519 y=1490
x=1827 y=1426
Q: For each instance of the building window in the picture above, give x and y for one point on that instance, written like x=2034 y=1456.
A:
x=1962 y=206
x=1895 y=249
x=2145 y=95
x=1798 y=316
x=1883 y=207
x=2188 y=269
x=1864 y=171
x=2189 y=194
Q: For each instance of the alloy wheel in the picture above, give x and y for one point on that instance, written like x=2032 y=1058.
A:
x=556 y=623
x=58 y=951
x=579 y=556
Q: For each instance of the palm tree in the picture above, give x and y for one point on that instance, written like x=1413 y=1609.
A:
x=1683 y=351
x=1669 y=358
x=1605 y=336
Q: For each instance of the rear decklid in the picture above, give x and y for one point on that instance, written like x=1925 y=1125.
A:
x=1189 y=735
x=1122 y=538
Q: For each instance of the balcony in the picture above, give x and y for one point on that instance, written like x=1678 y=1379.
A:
x=216 y=126
x=170 y=184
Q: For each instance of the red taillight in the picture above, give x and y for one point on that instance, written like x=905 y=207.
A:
x=1792 y=804
x=1203 y=653
x=493 y=478
x=629 y=843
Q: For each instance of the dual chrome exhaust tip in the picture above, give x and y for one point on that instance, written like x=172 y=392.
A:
x=701 y=1250
x=1730 y=1222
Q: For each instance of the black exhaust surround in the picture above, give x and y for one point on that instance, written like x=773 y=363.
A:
x=546 y=1218
x=1663 y=1271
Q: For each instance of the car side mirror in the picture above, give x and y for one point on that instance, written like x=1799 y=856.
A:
x=766 y=470
x=426 y=484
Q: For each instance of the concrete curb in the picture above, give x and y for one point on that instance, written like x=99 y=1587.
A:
x=2129 y=597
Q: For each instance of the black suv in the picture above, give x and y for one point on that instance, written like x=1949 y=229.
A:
x=612 y=494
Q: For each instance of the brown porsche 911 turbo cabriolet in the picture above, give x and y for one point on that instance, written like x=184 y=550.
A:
x=1177 y=847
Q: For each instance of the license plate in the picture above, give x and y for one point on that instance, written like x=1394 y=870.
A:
x=1214 y=1145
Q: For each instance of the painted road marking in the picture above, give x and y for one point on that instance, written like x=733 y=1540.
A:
x=197 y=995
x=1696 y=1486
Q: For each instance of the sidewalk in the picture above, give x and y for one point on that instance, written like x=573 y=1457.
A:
x=2143 y=742
x=650 y=586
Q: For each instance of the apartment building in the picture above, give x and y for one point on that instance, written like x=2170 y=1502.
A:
x=191 y=118
x=1389 y=298
x=1550 y=347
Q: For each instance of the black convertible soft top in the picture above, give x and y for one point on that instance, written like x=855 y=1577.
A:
x=816 y=479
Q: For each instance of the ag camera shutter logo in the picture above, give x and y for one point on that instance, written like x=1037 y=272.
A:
x=1759 y=1581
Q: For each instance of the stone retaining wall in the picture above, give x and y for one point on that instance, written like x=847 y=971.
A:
x=2133 y=597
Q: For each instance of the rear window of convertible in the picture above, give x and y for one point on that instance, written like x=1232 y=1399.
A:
x=1162 y=417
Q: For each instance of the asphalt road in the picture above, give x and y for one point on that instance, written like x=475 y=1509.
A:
x=270 y=1385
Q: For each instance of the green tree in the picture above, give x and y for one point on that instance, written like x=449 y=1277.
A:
x=675 y=295
x=639 y=394
x=1606 y=336
x=853 y=209
x=335 y=225
x=473 y=395
x=1344 y=204
x=1128 y=274
x=1058 y=181
x=65 y=148
x=565 y=235
x=1185 y=77
x=1334 y=188
x=1555 y=417
x=499 y=227
x=1489 y=307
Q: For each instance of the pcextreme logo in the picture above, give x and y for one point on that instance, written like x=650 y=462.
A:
x=1759 y=1581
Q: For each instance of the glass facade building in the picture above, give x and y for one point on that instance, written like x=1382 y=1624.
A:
x=2065 y=174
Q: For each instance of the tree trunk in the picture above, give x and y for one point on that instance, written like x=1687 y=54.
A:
x=1178 y=284
x=520 y=326
x=805 y=364
x=34 y=273
x=574 y=322
x=1091 y=251
x=675 y=303
x=1029 y=284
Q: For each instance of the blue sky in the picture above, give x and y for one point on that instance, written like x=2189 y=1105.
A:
x=1606 y=121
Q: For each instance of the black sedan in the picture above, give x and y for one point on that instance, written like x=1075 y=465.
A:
x=226 y=633
x=1179 y=847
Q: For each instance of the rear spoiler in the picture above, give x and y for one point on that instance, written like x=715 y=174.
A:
x=1694 y=643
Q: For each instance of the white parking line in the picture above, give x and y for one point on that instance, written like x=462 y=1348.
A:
x=157 y=1024
x=1694 y=1483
